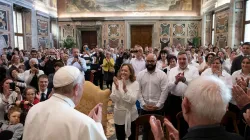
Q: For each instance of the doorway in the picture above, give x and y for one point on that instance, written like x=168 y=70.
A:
x=89 y=38
x=141 y=35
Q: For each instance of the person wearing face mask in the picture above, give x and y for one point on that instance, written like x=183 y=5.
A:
x=125 y=91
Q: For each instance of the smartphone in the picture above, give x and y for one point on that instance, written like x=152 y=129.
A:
x=12 y=86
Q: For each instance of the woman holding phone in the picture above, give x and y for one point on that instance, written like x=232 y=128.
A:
x=125 y=92
x=9 y=93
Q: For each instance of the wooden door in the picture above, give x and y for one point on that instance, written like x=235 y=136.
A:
x=141 y=35
x=89 y=38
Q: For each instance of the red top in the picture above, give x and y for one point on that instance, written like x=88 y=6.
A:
x=27 y=107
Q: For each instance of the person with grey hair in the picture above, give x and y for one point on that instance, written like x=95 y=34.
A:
x=30 y=77
x=204 y=104
x=57 y=116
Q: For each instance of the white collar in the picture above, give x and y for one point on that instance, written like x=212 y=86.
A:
x=64 y=99
x=44 y=91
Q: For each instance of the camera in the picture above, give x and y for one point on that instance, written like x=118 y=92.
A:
x=12 y=86
x=36 y=66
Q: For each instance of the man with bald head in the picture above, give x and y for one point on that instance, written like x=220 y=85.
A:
x=153 y=87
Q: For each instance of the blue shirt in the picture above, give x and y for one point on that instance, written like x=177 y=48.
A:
x=82 y=67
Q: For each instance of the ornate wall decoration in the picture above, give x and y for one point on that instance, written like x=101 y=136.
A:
x=179 y=40
x=238 y=27
x=221 y=40
x=3 y=20
x=28 y=42
x=114 y=43
x=222 y=23
x=127 y=5
x=192 y=29
x=113 y=30
x=42 y=27
x=178 y=29
x=68 y=31
x=27 y=19
x=239 y=5
x=165 y=29
x=4 y=40
x=43 y=42
x=164 y=41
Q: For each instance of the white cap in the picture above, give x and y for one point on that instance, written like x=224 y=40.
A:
x=65 y=76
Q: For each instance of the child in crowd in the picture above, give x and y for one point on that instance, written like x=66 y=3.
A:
x=12 y=129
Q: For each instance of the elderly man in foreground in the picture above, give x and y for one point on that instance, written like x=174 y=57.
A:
x=204 y=105
x=56 y=118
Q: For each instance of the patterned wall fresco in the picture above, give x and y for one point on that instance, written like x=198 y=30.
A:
x=5 y=28
x=209 y=20
x=221 y=28
x=127 y=5
x=43 y=28
x=175 y=32
x=113 y=33
x=239 y=17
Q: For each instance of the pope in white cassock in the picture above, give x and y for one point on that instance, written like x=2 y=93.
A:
x=56 y=118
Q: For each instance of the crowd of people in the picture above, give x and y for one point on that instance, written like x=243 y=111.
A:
x=38 y=87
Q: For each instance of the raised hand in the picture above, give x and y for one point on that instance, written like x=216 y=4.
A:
x=156 y=128
x=246 y=116
x=96 y=113
x=241 y=97
x=116 y=83
x=173 y=133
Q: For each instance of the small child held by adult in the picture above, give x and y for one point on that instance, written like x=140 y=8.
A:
x=12 y=129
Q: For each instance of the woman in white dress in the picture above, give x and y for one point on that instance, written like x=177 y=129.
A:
x=125 y=92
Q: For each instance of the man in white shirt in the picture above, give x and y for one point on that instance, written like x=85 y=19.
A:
x=56 y=118
x=77 y=61
x=153 y=87
x=178 y=79
x=138 y=62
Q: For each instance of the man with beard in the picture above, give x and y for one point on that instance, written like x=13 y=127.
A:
x=153 y=87
x=152 y=90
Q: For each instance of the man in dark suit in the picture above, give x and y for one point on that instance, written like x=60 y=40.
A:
x=48 y=62
x=236 y=64
x=204 y=104
x=44 y=91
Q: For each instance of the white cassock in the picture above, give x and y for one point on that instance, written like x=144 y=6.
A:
x=56 y=119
